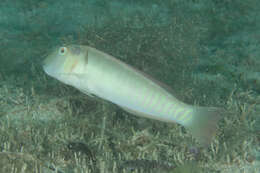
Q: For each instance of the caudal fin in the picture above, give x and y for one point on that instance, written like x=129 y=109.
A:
x=204 y=123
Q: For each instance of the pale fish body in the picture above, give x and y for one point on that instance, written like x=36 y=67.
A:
x=96 y=73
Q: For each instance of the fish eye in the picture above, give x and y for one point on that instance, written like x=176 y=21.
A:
x=62 y=50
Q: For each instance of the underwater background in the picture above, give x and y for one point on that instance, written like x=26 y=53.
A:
x=207 y=51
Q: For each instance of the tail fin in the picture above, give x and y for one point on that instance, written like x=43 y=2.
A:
x=204 y=123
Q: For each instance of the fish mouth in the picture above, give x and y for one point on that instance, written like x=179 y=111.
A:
x=44 y=63
x=46 y=71
x=47 y=68
x=44 y=66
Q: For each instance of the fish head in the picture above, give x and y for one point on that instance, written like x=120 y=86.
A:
x=66 y=62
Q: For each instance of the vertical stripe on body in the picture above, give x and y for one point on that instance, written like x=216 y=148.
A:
x=181 y=114
x=145 y=96
x=151 y=99
x=186 y=116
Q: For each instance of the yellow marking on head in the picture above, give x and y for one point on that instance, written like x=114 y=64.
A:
x=73 y=65
x=67 y=64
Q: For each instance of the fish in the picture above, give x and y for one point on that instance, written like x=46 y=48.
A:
x=96 y=73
